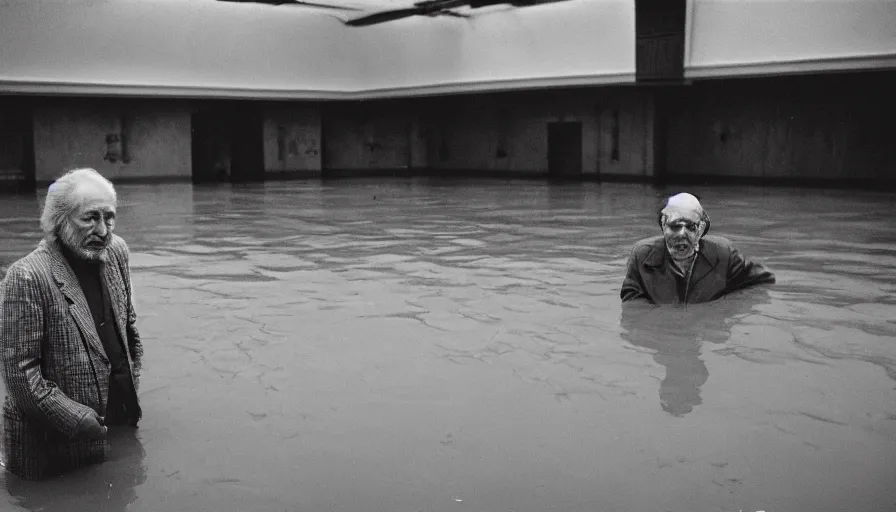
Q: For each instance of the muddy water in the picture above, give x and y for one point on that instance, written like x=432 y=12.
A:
x=392 y=346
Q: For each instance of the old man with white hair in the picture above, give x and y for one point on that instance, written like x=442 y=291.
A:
x=68 y=338
x=684 y=264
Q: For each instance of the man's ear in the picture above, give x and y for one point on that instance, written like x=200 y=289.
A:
x=707 y=222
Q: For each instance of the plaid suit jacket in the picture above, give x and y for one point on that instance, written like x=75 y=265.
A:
x=54 y=364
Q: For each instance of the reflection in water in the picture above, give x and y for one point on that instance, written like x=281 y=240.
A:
x=676 y=334
x=107 y=487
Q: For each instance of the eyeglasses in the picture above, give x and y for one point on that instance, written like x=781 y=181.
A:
x=678 y=224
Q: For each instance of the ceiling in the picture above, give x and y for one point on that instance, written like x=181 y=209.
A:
x=209 y=48
x=352 y=10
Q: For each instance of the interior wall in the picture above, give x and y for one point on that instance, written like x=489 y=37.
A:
x=119 y=138
x=508 y=132
x=626 y=133
x=822 y=126
x=420 y=152
x=826 y=127
x=371 y=136
x=292 y=137
x=505 y=132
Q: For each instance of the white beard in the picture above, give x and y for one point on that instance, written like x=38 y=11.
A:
x=67 y=238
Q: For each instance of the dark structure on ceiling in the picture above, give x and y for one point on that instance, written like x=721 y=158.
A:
x=424 y=8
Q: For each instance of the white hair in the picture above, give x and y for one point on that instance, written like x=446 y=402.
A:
x=61 y=200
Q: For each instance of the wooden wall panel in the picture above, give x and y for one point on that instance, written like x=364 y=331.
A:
x=418 y=143
x=13 y=133
x=122 y=139
x=292 y=138
x=626 y=134
x=509 y=132
x=825 y=127
x=360 y=136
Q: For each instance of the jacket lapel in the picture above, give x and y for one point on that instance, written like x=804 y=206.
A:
x=659 y=277
x=114 y=284
x=704 y=265
x=77 y=304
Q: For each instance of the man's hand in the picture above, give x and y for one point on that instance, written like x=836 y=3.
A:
x=90 y=426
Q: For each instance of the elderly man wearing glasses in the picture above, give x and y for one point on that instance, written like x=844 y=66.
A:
x=684 y=265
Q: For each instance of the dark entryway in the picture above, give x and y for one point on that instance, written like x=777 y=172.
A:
x=228 y=143
x=16 y=150
x=565 y=148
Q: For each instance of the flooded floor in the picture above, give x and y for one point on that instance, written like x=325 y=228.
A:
x=459 y=346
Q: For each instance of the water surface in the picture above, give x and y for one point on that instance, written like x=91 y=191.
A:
x=426 y=345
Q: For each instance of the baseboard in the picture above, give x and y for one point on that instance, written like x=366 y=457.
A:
x=683 y=179
x=125 y=180
x=443 y=173
x=880 y=184
x=292 y=175
x=495 y=174
x=883 y=184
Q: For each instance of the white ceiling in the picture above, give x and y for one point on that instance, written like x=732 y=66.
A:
x=360 y=7
x=212 y=48
x=207 y=47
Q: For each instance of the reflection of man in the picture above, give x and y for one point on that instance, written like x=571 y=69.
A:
x=684 y=265
x=676 y=337
x=70 y=347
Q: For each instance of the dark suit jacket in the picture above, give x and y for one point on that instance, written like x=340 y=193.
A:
x=54 y=364
x=719 y=269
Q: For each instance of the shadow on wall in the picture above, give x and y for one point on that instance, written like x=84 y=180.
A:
x=676 y=336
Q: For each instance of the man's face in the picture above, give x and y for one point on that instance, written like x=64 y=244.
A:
x=88 y=230
x=682 y=230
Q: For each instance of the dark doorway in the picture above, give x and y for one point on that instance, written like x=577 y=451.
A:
x=228 y=143
x=16 y=150
x=565 y=148
x=247 y=146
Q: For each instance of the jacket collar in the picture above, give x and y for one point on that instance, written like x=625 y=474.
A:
x=707 y=259
x=657 y=255
x=63 y=274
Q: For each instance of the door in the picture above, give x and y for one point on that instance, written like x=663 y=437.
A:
x=227 y=144
x=247 y=144
x=564 y=149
